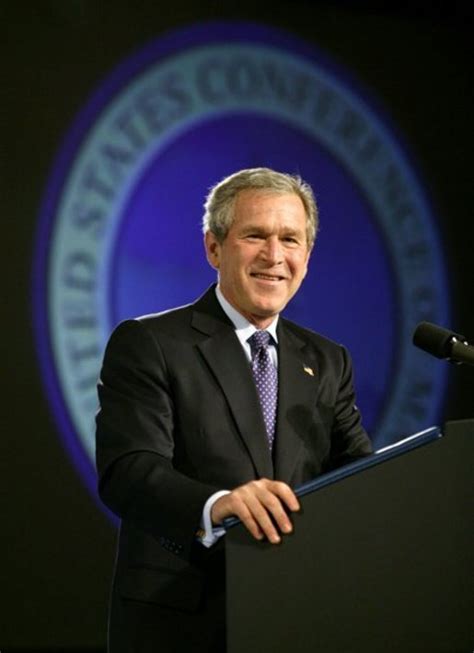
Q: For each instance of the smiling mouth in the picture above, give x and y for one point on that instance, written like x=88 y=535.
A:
x=266 y=277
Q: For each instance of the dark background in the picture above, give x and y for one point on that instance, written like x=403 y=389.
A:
x=57 y=548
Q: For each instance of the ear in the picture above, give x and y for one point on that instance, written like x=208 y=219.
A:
x=213 y=250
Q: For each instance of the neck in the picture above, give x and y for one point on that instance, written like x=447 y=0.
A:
x=258 y=321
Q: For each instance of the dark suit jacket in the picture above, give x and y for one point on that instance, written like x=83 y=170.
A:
x=180 y=419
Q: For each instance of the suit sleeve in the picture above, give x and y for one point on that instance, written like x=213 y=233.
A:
x=135 y=440
x=349 y=441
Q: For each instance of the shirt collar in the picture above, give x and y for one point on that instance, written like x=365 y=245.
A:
x=243 y=328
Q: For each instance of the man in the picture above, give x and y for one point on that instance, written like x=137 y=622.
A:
x=200 y=419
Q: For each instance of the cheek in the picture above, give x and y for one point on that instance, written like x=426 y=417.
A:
x=299 y=266
x=304 y=265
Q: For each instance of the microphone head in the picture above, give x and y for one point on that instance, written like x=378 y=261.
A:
x=434 y=339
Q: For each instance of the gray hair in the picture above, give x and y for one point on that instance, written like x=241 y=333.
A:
x=219 y=205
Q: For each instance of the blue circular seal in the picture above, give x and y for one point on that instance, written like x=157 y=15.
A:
x=119 y=229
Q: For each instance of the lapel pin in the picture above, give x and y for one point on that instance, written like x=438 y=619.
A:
x=309 y=371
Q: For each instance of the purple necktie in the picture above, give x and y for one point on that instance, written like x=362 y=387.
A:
x=266 y=380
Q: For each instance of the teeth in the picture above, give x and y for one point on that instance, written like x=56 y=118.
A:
x=266 y=276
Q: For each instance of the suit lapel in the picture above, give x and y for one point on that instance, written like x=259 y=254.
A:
x=297 y=386
x=224 y=355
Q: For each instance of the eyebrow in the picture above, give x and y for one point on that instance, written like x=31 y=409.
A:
x=253 y=228
x=286 y=231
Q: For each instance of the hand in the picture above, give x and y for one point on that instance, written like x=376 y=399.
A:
x=260 y=505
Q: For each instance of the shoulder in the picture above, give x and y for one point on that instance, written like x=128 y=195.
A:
x=154 y=323
x=168 y=320
x=145 y=336
x=177 y=322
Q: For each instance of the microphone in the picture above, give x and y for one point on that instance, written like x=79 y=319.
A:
x=443 y=343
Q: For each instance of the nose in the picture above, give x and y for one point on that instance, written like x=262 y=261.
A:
x=272 y=250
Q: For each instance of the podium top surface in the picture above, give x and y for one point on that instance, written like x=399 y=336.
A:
x=381 y=455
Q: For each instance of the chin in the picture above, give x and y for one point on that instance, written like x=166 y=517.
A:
x=267 y=312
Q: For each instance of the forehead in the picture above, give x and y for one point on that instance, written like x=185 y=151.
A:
x=261 y=206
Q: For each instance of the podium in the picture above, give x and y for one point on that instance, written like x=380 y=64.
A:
x=381 y=559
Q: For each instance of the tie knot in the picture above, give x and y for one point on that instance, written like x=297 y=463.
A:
x=258 y=340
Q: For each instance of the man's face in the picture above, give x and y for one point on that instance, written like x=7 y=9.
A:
x=264 y=257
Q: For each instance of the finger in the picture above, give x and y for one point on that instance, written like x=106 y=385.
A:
x=285 y=493
x=267 y=509
x=276 y=513
x=233 y=504
x=261 y=515
x=246 y=503
x=261 y=506
x=252 y=525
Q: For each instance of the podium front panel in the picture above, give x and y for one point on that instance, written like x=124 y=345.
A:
x=380 y=561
